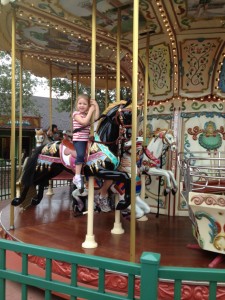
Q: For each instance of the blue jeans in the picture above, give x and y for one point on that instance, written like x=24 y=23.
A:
x=80 y=147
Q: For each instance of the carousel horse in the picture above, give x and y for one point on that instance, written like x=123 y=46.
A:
x=46 y=162
x=150 y=162
x=103 y=160
x=49 y=160
x=41 y=137
x=141 y=207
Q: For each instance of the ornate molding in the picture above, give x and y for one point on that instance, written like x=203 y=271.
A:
x=209 y=200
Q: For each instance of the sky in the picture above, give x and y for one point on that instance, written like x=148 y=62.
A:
x=42 y=89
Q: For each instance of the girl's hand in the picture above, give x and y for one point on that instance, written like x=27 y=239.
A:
x=93 y=102
x=92 y=107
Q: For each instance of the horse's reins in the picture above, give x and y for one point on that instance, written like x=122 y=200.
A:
x=151 y=156
x=119 y=120
x=91 y=139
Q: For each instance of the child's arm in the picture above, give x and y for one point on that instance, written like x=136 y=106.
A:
x=87 y=119
x=95 y=103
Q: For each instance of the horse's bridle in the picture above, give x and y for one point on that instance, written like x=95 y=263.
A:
x=164 y=138
x=161 y=135
x=122 y=128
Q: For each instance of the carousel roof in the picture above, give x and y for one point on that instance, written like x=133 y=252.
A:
x=184 y=40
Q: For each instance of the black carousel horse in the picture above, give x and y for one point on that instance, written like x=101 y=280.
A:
x=50 y=160
x=112 y=132
x=45 y=163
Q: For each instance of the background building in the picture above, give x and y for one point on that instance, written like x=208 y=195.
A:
x=62 y=120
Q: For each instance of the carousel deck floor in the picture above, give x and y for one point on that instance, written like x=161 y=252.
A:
x=52 y=224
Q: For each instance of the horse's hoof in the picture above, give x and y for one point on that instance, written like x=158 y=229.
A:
x=78 y=205
x=174 y=191
x=97 y=209
x=167 y=191
x=35 y=201
x=126 y=214
x=16 y=201
x=122 y=205
x=77 y=212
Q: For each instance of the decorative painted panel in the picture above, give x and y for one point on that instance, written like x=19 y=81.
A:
x=193 y=14
x=159 y=69
x=203 y=131
x=197 y=64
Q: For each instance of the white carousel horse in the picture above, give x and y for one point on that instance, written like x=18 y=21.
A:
x=141 y=207
x=41 y=137
x=150 y=163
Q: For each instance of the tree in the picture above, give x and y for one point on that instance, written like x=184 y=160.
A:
x=28 y=83
x=62 y=88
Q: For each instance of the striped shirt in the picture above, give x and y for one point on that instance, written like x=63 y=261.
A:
x=82 y=135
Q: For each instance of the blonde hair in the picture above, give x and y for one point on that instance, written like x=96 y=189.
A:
x=83 y=96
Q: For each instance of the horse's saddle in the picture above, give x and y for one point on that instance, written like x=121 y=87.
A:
x=67 y=154
x=58 y=152
x=100 y=154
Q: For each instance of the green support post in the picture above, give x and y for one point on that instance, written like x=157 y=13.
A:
x=149 y=275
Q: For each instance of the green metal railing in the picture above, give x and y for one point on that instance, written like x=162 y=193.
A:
x=73 y=289
x=5 y=179
x=148 y=271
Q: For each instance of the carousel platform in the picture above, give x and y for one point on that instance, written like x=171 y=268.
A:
x=52 y=224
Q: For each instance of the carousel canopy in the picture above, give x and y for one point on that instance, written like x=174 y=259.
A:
x=184 y=40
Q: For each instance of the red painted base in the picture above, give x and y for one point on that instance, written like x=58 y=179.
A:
x=113 y=282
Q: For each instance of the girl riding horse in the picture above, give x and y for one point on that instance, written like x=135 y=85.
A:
x=46 y=161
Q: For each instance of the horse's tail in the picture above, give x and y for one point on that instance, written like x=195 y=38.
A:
x=30 y=167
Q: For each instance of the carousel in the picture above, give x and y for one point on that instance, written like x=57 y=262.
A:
x=162 y=147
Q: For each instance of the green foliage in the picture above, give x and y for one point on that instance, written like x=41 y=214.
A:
x=62 y=88
x=28 y=83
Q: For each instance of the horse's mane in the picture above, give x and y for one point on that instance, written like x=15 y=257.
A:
x=110 y=107
x=40 y=131
x=159 y=130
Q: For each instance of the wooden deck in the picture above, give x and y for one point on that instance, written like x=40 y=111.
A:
x=52 y=224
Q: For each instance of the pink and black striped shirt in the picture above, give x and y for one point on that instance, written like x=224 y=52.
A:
x=82 y=135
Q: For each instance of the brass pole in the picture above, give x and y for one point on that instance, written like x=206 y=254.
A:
x=93 y=50
x=13 y=118
x=77 y=83
x=106 y=88
x=50 y=94
x=117 y=229
x=50 y=190
x=134 y=130
x=118 y=57
x=78 y=79
x=21 y=113
x=144 y=143
x=71 y=103
x=90 y=238
x=146 y=92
